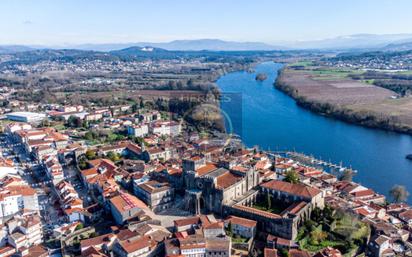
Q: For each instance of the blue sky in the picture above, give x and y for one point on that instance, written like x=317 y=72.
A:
x=57 y=22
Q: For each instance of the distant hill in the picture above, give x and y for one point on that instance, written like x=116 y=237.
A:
x=186 y=45
x=398 y=47
x=9 y=49
x=358 y=41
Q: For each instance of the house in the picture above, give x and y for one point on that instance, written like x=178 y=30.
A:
x=29 y=226
x=380 y=245
x=406 y=216
x=219 y=247
x=213 y=230
x=125 y=207
x=190 y=223
x=298 y=253
x=158 y=153
x=100 y=168
x=193 y=246
x=7 y=167
x=157 y=195
x=138 y=130
x=150 y=116
x=6 y=251
x=328 y=252
x=16 y=198
x=245 y=228
x=269 y=252
x=135 y=247
x=100 y=242
x=16 y=126
x=279 y=242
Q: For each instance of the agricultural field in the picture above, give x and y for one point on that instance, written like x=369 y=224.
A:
x=348 y=95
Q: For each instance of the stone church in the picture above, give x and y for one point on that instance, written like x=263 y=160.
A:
x=210 y=186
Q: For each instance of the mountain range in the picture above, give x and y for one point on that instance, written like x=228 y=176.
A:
x=373 y=42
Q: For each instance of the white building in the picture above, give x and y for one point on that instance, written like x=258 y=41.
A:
x=168 y=128
x=138 y=130
x=31 y=117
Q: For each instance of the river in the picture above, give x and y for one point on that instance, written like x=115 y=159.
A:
x=264 y=116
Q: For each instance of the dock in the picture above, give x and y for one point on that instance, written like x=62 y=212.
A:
x=312 y=161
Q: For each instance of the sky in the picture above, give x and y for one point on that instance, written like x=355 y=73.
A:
x=65 y=22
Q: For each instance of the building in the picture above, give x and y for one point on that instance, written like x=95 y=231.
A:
x=240 y=226
x=16 y=126
x=14 y=198
x=380 y=245
x=166 y=128
x=157 y=195
x=295 y=202
x=138 y=130
x=29 y=117
x=210 y=187
x=7 y=167
x=193 y=246
x=289 y=192
x=125 y=207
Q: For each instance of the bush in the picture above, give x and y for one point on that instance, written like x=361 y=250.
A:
x=79 y=226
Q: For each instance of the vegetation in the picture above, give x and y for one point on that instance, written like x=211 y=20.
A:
x=261 y=77
x=291 y=177
x=79 y=226
x=103 y=136
x=269 y=204
x=332 y=228
x=90 y=154
x=114 y=157
x=347 y=175
x=401 y=83
x=399 y=193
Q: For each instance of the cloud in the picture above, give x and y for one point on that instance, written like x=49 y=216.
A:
x=27 y=22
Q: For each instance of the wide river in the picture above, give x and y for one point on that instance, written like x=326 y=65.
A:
x=264 y=116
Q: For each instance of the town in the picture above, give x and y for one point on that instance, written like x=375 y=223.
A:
x=133 y=180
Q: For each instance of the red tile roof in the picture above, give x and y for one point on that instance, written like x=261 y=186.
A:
x=241 y=221
x=292 y=189
x=227 y=179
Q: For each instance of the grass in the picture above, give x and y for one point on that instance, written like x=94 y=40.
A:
x=339 y=230
x=273 y=209
x=239 y=240
x=325 y=73
x=304 y=244
x=302 y=63
x=60 y=127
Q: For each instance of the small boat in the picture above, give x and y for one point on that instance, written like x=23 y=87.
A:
x=409 y=156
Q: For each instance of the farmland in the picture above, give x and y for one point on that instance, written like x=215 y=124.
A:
x=335 y=92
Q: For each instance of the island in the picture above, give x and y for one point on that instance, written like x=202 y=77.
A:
x=261 y=76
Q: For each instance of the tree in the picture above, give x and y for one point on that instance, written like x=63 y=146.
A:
x=399 y=193
x=114 y=157
x=347 y=175
x=230 y=229
x=74 y=122
x=90 y=154
x=269 y=201
x=284 y=252
x=85 y=124
x=82 y=163
x=317 y=236
x=291 y=177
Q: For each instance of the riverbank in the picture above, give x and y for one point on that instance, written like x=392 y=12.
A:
x=264 y=116
x=347 y=100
